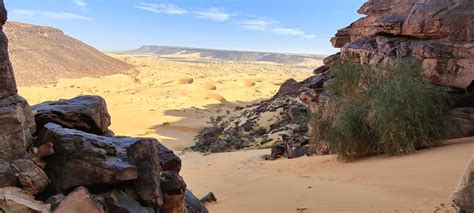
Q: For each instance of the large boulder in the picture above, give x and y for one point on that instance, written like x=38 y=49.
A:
x=437 y=32
x=85 y=113
x=83 y=159
x=16 y=120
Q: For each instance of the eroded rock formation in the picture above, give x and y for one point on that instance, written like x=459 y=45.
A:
x=438 y=32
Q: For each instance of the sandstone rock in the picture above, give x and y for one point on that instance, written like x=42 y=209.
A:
x=249 y=83
x=119 y=202
x=85 y=113
x=194 y=205
x=16 y=200
x=186 y=81
x=31 y=177
x=173 y=188
x=17 y=125
x=84 y=159
x=78 y=201
x=436 y=32
x=144 y=154
x=463 y=196
x=210 y=87
x=7 y=177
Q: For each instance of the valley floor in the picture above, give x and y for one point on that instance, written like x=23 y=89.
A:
x=150 y=102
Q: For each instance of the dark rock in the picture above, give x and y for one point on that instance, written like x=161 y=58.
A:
x=144 y=154
x=85 y=113
x=7 y=177
x=80 y=200
x=168 y=160
x=83 y=159
x=31 y=177
x=193 y=204
x=301 y=151
x=55 y=200
x=464 y=117
x=17 y=127
x=16 y=200
x=278 y=150
x=209 y=198
x=173 y=188
x=118 y=201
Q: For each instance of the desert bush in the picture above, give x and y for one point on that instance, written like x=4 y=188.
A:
x=390 y=112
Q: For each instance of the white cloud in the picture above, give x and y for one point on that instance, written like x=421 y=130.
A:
x=80 y=3
x=214 y=14
x=309 y=36
x=50 y=15
x=293 y=32
x=165 y=8
x=256 y=24
x=288 y=31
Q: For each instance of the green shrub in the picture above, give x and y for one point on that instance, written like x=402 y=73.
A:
x=394 y=113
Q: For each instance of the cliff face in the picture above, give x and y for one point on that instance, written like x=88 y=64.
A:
x=438 y=32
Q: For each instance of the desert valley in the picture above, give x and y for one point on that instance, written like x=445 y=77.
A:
x=243 y=124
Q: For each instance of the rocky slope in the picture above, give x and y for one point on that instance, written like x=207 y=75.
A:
x=227 y=55
x=439 y=33
x=79 y=166
x=50 y=55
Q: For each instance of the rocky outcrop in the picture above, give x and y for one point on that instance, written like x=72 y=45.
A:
x=85 y=113
x=75 y=164
x=16 y=119
x=437 y=32
x=280 y=123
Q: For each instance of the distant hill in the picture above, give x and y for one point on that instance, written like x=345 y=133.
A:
x=227 y=55
x=41 y=55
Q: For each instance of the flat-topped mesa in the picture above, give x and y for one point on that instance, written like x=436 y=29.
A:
x=438 y=32
x=16 y=119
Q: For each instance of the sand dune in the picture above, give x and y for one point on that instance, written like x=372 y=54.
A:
x=175 y=93
x=244 y=182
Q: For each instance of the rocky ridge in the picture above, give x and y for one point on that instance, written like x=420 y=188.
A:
x=52 y=55
x=61 y=157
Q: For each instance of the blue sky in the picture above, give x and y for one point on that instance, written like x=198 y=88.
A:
x=297 y=26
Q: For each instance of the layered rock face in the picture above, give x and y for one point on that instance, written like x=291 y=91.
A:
x=438 y=32
x=16 y=119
